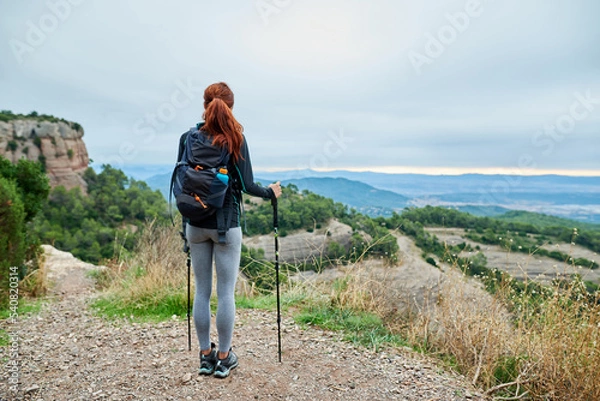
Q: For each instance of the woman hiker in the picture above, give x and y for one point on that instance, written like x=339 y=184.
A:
x=224 y=130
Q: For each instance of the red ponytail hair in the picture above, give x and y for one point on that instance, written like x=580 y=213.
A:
x=219 y=121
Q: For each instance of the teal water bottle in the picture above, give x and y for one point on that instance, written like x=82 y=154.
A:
x=222 y=175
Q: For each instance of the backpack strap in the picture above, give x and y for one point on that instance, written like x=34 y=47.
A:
x=222 y=225
x=237 y=188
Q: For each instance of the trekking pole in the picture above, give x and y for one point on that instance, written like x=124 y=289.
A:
x=189 y=263
x=186 y=249
x=275 y=225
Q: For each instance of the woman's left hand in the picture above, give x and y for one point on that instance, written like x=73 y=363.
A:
x=276 y=189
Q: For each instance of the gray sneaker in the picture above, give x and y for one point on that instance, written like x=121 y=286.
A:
x=208 y=362
x=224 y=366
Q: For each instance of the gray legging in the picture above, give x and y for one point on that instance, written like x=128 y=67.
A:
x=204 y=243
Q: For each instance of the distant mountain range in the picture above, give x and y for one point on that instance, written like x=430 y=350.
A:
x=375 y=194
x=417 y=185
x=575 y=198
x=358 y=195
x=364 y=198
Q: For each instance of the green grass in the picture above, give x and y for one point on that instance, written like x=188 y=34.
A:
x=150 y=309
x=262 y=302
x=360 y=328
x=507 y=369
x=26 y=306
x=161 y=307
x=269 y=301
x=3 y=338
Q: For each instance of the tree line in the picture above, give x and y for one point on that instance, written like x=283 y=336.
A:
x=8 y=115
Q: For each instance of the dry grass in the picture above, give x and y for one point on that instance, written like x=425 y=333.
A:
x=363 y=288
x=467 y=327
x=563 y=345
x=153 y=275
x=36 y=284
x=545 y=348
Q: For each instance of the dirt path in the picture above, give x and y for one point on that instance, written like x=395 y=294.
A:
x=68 y=353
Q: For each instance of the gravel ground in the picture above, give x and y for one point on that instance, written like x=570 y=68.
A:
x=68 y=353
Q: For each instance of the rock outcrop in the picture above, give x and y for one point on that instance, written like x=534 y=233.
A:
x=304 y=246
x=59 y=145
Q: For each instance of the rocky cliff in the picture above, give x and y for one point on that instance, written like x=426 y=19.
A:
x=59 y=145
x=302 y=246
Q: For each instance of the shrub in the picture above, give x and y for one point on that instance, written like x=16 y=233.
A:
x=258 y=271
x=431 y=261
x=42 y=160
x=23 y=191
x=12 y=145
x=335 y=250
x=12 y=234
x=31 y=183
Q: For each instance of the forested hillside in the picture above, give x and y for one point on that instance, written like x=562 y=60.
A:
x=103 y=223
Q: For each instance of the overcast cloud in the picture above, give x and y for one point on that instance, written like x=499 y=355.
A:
x=323 y=84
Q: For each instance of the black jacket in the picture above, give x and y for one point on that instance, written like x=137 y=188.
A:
x=242 y=178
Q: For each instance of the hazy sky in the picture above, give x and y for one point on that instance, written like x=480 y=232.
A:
x=380 y=84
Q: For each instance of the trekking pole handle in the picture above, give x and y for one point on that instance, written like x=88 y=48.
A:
x=274 y=203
